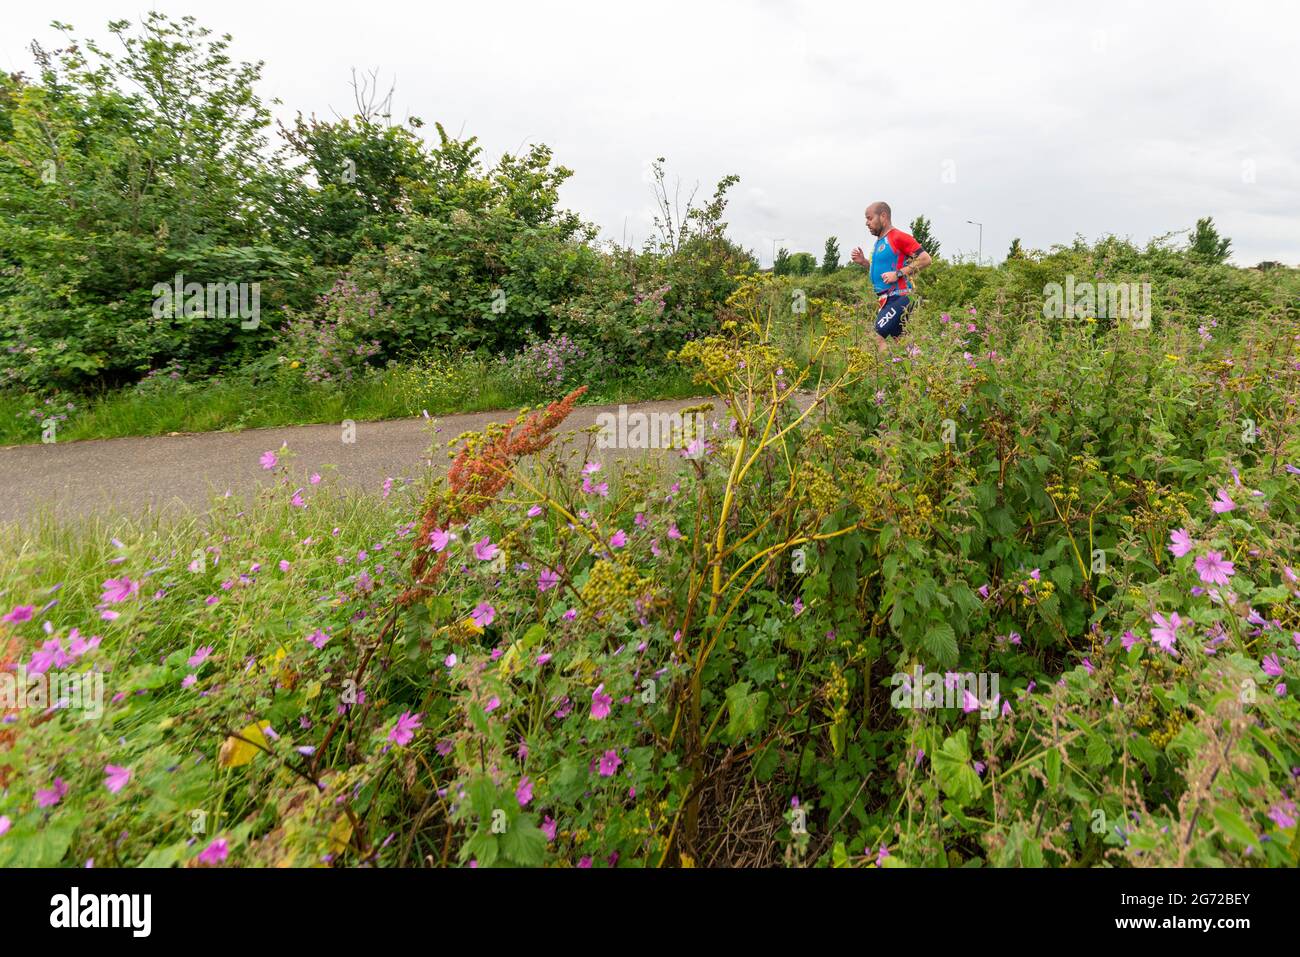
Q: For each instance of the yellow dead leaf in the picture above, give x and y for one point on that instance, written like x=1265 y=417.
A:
x=340 y=834
x=687 y=860
x=511 y=661
x=312 y=690
x=235 y=753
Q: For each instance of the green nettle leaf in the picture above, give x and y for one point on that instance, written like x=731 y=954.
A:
x=482 y=847
x=523 y=842
x=1099 y=752
x=839 y=855
x=1232 y=824
x=952 y=762
x=483 y=796
x=1145 y=751
x=745 y=711
x=1031 y=855
x=45 y=846
x=165 y=856
x=940 y=642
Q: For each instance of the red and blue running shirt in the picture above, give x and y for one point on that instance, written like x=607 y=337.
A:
x=889 y=255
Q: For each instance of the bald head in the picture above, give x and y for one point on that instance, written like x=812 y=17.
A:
x=879 y=218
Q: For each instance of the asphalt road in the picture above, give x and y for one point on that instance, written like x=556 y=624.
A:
x=185 y=471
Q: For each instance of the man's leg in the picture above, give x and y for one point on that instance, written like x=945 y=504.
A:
x=889 y=321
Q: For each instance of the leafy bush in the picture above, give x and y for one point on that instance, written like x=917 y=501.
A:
x=335 y=342
x=553 y=367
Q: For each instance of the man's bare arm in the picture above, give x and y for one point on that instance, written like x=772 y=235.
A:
x=912 y=267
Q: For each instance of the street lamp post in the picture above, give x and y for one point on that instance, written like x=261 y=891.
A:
x=980 y=254
x=774 y=242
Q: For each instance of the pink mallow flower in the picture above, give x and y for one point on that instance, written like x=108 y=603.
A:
x=1166 y=631
x=119 y=589
x=405 y=728
x=48 y=797
x=483 y=614
x=609 y=762
x=216 y=852
x=19 y=613
x=116 y=777
x=600 y=703
x=1213 y=568
x=1222 y=503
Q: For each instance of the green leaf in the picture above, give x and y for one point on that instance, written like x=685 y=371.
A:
x=165 y=856
x=439 y=608
x=1145 y=751
x=483 y=796
x=896 y=614
x=745 y=711
x=533 y=637
x=46 y=845
x=1098 y=752
x=1052 y=765
x=940 y=643
x=524 y=843
x=481 y=847
x=956 y=776
x=1233 y=825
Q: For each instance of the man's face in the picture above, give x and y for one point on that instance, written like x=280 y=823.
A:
x=875 y=221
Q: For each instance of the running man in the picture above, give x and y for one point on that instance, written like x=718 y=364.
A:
x=890 y=269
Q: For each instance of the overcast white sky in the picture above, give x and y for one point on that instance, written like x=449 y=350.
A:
x=1041 y=121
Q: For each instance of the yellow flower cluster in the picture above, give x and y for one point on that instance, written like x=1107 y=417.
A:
x=920 y=517
x=1160 y=507
x=1034 y=590
x=818 y=488
x=610 y=586
x=719 y=359
x=836 y=693
x=1169 y=731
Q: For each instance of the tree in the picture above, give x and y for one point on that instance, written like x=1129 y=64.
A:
x=803 y=264
x=781 y=265
x=361 y=178
x=831 y=257
x=673 y=223
x=1015 y=252
x=119 y=170
x=1206 y=243
x=921 y=233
